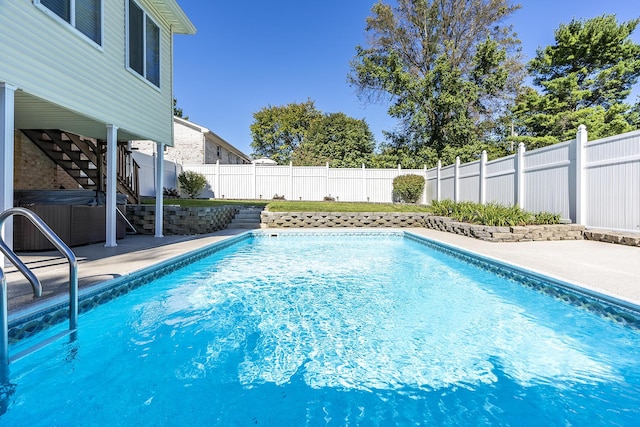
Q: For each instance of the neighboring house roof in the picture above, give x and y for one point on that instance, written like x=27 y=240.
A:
x=215 y=138
x=264 y=161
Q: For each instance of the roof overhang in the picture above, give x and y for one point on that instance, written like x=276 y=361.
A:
x=174 y=15
x=32 y=112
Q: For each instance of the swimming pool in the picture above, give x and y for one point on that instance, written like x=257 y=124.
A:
x=336 y=329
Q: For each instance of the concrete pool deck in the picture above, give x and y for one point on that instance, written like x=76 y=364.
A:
x=602 y=267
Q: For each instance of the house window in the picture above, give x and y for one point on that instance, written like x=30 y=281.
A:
x=84 y=15
x=143 y=44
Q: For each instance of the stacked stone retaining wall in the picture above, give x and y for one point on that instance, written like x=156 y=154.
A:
x=607 y=236
x=426 y=220
x=178 y=220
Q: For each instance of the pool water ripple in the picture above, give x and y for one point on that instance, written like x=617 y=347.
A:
x=365 y=331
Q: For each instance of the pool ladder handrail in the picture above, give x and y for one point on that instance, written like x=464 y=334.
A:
x=28 y=274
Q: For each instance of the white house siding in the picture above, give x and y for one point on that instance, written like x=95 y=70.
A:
x=54 y=63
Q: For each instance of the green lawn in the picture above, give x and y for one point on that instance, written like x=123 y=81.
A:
x=286 y=206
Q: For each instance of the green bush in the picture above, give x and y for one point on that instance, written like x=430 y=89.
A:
x=408 y=188
x=192 y=183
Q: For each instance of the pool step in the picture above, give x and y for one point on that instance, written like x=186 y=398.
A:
x=247 y=218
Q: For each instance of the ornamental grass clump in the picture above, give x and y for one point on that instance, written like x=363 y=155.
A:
x=408 y=188
x=491 y=214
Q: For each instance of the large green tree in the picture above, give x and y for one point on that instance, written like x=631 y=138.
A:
x=337 y=139
x=584 y=78
x=448 y=67
x=277 y=131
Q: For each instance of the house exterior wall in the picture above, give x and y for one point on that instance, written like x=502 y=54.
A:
x=194 y=145
x=29 y=158
x=51 y=61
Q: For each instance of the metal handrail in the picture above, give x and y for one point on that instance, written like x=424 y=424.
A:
x=35 y=283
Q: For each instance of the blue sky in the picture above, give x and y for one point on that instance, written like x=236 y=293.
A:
x=249 y=54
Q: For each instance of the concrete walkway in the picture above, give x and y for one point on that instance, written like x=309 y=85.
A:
x=606 y=268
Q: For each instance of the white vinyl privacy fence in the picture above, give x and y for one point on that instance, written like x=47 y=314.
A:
x=595 y=183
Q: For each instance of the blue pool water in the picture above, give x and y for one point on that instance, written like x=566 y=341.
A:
x=357 y=330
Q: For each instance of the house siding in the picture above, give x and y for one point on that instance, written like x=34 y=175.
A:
x=58 y=65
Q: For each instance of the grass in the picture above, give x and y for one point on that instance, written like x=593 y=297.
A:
x=204 y=203
x=490 y=214
x=285 y=206
x=293 y=206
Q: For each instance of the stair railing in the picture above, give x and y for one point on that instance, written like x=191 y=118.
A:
x=35 y=283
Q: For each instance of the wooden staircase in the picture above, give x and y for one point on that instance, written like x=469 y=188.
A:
x=84 y=160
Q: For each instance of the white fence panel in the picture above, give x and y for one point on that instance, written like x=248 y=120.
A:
x=549 y=176
x=613 y=182
x=272 y=181
x=469 y=182
x=346 y=185
x=147 y=173
x=309 y=183
x=447 y=182
x=500 y=181
x=431 y=184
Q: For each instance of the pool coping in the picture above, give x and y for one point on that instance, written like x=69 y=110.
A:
x=30 y=320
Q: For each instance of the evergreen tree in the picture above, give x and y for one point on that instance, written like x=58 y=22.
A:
x=585 y=78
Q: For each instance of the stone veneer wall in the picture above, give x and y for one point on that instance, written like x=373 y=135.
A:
x=395 y=219
x=178 y=220
x=628 y=239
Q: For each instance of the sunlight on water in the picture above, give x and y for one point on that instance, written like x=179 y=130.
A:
x=332 y=331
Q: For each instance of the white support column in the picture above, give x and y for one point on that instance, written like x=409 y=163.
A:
x=7 y=118
x=112 y=145
x=581 y=176
x=456 y=180
x=483 y=177
x=159 y=216
x=519 y=187
x=438 y=181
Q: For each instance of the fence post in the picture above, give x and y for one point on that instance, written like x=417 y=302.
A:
x=581 y=181
x=519 y=187
x=327 y=192
x=483 y=177
x=253 y=184
x=424 y=191
x=438 y=177
x=216 y=183
x=456 y=180
x=364 y=184
x=291 y=180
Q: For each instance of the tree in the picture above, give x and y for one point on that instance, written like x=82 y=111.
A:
x=448 y=67
x=277 y=131
x=584 y=78
x=177 y=111
x=340 y=140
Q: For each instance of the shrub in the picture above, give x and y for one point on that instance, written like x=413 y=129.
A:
x=276 y=197
x=544 y=218
x=170 y=192
x=192 y=183
x=329 y=199
x=408 y=188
